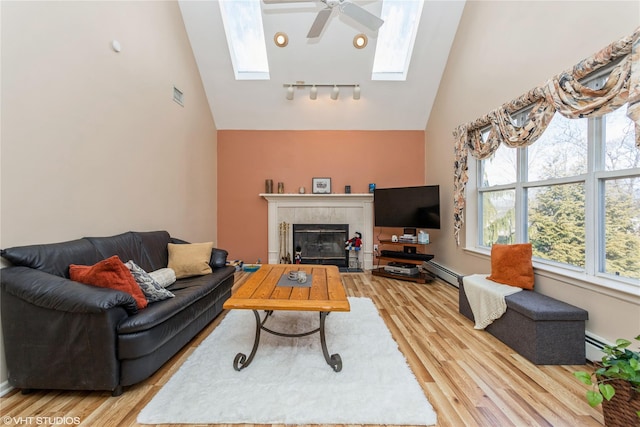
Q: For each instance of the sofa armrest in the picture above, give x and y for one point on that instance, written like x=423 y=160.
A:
x=61 y=294
x=218 y=258
x=60 y=334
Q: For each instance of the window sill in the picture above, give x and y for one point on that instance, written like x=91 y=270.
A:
x=619 y=289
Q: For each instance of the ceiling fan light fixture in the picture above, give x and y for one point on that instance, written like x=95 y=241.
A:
x=281 y=39
x=360 y=41
x=335 y=92
x=290 y=92
x=356 y=92
x=313 y=92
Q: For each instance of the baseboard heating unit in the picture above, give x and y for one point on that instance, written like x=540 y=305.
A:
x=594 y=346
x=442 y=272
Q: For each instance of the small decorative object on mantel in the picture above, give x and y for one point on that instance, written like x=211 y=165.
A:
x=268 y=186
x=281 y=188
x=347 y=189
x=301 y=190
x=321 y=185
x=372 y=187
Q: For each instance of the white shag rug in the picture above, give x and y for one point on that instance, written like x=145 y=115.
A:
x=289 y=381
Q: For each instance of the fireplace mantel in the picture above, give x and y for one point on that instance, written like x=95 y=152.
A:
x=316 y=197
x=353 y=209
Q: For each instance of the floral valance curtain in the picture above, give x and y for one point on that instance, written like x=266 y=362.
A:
x=563 y=94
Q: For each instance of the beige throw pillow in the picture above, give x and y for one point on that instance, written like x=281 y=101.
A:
x=190 y=259
x=164 y=276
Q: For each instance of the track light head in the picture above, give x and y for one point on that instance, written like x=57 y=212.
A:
x=313 y=89
x=335 y=92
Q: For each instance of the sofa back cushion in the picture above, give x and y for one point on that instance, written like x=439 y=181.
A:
x=154 y=244
x=127 y=246
x=147 y=249
x=53 y=258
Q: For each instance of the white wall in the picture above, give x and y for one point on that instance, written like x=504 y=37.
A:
x=91 y=141
x=502 y=50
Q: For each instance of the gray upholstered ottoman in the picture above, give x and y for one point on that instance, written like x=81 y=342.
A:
x=540 y=328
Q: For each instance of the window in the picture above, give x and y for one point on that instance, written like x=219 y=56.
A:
x=574 y=194
x=396 y=39
x=242 y=20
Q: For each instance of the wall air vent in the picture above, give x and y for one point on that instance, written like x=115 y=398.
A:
x=178 y=96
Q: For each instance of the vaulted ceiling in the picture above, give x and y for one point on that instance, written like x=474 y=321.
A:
x=329 y=59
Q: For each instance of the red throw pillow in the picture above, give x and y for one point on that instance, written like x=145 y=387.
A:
x=511 y=265
x=109 y=273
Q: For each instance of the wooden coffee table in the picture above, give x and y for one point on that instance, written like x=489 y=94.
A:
x=261 y=292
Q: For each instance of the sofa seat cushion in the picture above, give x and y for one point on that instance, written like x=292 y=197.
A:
x=186 y=291
x=148 y=330
x=536 y=306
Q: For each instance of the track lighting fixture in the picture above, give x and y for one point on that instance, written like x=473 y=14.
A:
x=313 y=89
x=335 y=92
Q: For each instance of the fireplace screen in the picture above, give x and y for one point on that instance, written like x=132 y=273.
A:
x=321 y=243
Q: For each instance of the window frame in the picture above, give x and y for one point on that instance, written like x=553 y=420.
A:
x=594 y=179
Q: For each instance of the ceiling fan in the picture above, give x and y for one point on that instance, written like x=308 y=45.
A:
x=352 y=10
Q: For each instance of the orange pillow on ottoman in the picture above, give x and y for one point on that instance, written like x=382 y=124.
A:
x=109 y=273
x=511 y=265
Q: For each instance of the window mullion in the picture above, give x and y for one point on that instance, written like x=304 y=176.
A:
x=594 y=207
x=521 y=197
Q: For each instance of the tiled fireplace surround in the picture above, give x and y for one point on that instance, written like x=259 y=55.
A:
x=353 y=209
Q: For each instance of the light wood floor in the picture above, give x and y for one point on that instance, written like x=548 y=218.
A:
x=470 y=378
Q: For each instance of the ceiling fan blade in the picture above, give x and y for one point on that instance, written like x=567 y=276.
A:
x=319 y=23
x=361 y=15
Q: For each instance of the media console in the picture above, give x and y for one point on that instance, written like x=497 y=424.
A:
x=409 y=255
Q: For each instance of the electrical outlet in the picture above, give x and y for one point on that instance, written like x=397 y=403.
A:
x=375 y=248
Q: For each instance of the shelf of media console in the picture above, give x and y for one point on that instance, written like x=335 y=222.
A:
x=403 y=257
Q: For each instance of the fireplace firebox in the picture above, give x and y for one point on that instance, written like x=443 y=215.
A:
x=321 y=243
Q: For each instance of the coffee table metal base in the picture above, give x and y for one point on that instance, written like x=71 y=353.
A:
x=241 y=361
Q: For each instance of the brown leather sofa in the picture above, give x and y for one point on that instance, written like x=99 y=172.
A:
x=60 y=334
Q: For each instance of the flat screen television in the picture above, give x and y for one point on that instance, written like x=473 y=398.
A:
x=414 y=207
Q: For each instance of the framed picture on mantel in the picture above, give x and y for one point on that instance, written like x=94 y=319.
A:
x=321 y=185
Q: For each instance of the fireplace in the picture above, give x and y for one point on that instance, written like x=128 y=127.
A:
x=353 y=209
x=321 y=243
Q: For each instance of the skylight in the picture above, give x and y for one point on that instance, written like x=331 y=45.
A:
x=396 y=38
x=242 y=21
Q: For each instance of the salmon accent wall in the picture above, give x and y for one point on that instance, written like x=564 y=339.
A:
x=356 y=158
